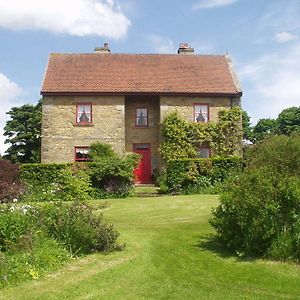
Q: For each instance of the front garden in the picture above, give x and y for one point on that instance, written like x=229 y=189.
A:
x=170 y=253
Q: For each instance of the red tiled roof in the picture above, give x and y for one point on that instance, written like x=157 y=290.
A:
x=97 y=73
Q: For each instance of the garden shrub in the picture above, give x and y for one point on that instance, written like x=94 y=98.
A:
x=16 y=225
x=259 y=212
x=25 y=250
x=41 y=180
x=113 y=176
x=72 y=183
x=99 y=151
x=199 y=174
x=46 y=255
x=78 y=229
x=11 y=186
x=36 y=239
x=53 y=182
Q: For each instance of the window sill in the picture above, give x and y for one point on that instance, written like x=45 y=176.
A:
x=83 y=124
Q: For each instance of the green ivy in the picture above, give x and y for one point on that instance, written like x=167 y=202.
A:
x=182 y=139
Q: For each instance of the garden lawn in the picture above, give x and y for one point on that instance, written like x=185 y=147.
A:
x=169 y=254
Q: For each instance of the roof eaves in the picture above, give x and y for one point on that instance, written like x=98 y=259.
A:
x=191 y=94
x=233 y=74
x=45 y=73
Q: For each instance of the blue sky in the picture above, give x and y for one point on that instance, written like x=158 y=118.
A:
x=262 y=37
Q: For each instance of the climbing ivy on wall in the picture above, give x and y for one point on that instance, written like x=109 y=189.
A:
x=182 y=139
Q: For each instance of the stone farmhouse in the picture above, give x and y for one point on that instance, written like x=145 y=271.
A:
x=121 y=99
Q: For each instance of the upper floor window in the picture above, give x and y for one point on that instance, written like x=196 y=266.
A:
x=204 y=152
x=201 y=113
x=84 y=113
x=82 y=153
x=141 y=117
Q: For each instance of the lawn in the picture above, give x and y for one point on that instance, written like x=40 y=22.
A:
x=170 y=254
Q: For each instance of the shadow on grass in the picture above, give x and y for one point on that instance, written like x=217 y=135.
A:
x=212 y=243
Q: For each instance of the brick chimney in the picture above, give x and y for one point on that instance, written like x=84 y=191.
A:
x=185 y=49
x=103 y=50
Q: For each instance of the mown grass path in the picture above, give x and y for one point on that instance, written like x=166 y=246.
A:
x=170 y=254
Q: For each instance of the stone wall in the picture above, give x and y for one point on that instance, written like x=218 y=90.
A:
x=141 y=135
x=185 y=106
x=60 y=133
x=114 y=122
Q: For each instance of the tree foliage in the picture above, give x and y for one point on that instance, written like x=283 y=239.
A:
x=264 y=128
x=288 y=121
x=23 y=132
x=247 y=129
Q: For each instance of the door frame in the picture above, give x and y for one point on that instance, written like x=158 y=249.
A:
x=135 y=148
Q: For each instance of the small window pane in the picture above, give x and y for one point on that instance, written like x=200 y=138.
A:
x=141 y=117
x=201 y=113
x=203 y=153
x=81 y=154
x=84 y=113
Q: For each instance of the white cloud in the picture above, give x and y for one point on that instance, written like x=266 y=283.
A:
x=283 y=37
x=9 y=97
x=74 y=17
x=272 y=83
x=163 y=45
x=282 y=16
x=205 y=4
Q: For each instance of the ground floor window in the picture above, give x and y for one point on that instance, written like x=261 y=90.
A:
x=204 y=152
x=82 y=153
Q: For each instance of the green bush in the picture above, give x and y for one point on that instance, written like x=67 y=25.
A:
x=16 y=227
x=46 y=255
x=73 y=183
x=54 y=182
x=113 y=176
x=77 y=228
x=25 y=250
x=99 y=151
x=36 y=239
x=199 y=174
x=259 y=212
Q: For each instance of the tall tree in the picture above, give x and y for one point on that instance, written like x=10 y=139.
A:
x=247 y=129
x=23 y=132
x=263 y=128
x=289 y=121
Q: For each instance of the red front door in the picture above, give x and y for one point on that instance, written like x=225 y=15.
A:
x=142 y=174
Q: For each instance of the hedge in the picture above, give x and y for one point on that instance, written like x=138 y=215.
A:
x=195 y=174
x=70 y=181
x=41 y=174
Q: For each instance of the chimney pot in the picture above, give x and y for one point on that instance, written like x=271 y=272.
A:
x=184 y=48
x=103 y=50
